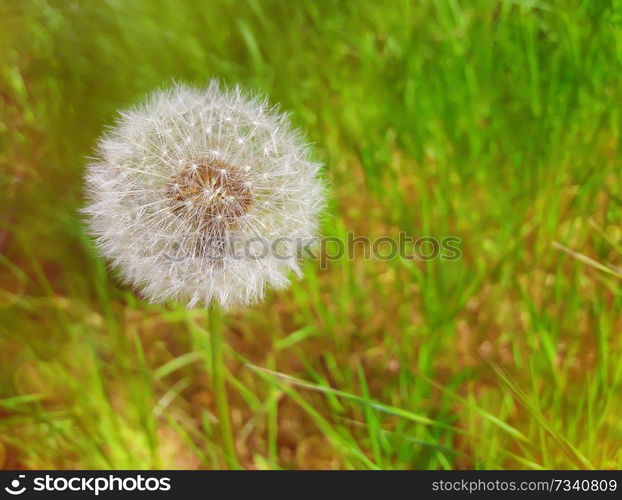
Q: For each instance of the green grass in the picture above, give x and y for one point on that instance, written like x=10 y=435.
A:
x=494 y=121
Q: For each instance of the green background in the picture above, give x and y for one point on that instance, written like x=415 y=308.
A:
x=494 y=121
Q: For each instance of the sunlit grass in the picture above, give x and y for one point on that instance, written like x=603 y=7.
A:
x=494 y=121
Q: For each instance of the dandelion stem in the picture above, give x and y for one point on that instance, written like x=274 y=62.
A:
x=218 y=380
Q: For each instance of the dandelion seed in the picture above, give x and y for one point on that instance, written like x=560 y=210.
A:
x=189 y=170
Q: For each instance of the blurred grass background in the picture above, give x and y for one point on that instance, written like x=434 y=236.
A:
x=494 y=121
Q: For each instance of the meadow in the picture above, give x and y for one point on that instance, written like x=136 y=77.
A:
x=493 y=121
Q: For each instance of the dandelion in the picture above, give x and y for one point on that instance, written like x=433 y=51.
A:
x=203 y=196
x=183 y=186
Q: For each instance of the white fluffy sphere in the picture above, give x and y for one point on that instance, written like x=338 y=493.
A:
x=202 y=195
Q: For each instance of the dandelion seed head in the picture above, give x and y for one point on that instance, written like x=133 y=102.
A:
x=185 y=175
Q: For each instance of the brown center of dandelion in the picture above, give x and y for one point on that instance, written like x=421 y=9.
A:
x=211 y=194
